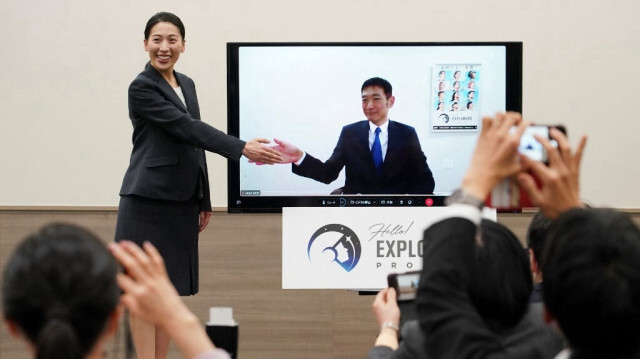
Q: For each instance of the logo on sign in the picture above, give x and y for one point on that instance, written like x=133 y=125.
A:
x=335 y=243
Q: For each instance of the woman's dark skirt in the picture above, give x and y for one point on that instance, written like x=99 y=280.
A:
x=172 y=227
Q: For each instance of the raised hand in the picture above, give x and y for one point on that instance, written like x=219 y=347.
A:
x=148 y=292
x=560 y=187
x=386 y=309
x=150 y=296
x=496 y=154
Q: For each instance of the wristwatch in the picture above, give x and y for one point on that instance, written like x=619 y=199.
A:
x=391 y=325
x=461 y=196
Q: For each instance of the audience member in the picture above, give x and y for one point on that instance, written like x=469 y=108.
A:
x=453 y=325
x=592 y=282
x=590 y=262
x=499 y=290
x=536 y=237
x=59 y=293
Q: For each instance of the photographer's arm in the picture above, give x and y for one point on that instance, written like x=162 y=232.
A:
x=387 y=312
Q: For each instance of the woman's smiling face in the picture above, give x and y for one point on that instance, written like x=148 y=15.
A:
x=164 y=44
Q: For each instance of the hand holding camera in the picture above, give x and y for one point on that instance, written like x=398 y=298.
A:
x=557 y=186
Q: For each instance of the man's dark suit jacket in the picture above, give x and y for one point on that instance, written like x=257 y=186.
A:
x=167 y=161
x=445 y=312
x=405 y=168
x=531 y=336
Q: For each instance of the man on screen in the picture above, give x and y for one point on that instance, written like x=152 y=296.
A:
x=380 y=156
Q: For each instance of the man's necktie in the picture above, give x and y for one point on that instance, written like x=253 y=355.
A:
x=376 y=150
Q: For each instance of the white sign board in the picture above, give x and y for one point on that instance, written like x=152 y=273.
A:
x=353 y=247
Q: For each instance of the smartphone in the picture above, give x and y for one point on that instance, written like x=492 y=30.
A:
x=405 y=284
x=507 y=196
x=530 y=147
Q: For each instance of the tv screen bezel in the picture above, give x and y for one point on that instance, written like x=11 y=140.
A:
x=274 y=204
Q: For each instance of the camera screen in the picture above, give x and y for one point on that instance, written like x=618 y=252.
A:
x=407 y=285
x=530 y=147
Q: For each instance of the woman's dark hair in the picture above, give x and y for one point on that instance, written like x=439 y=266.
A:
x=164 y=17
x=59 y=287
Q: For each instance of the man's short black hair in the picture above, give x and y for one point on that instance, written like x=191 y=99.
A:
x=380 y=82
x=501 y=284
x=537 y=235
x=591 y=269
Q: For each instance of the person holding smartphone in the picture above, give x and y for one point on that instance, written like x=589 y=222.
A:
x=500 y=293
x=454 y=327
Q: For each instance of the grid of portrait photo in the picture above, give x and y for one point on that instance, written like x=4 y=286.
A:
x=456 y=88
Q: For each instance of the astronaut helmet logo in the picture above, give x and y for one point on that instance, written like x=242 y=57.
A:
x=335 y=244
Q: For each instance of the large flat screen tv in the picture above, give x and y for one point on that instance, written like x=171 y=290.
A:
x=306 y=93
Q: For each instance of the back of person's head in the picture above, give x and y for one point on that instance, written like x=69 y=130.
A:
x=537 y=234
x=379 y=82
x=591 y=284
x=59 y=289
x=501 y=283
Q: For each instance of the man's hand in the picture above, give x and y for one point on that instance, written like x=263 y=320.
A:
x=289 y=152
x=496 y=154
x=256 y=151
x=560 y=179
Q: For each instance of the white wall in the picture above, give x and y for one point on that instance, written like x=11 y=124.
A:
x=65 y=134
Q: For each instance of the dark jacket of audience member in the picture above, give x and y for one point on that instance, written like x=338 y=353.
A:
x=473 y=294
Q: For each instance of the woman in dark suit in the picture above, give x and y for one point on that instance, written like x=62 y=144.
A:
x=164 y=198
